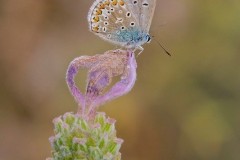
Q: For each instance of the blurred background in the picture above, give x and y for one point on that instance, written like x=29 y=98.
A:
x=184 y=107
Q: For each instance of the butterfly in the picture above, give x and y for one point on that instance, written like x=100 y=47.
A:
x=122 y=22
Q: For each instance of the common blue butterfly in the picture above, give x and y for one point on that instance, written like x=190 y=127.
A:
x=122 y=22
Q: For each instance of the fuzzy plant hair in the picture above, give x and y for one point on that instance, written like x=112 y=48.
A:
x=88 y=134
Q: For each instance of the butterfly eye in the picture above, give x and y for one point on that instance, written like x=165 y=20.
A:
x=109 y=36
x=106 y=23
x=149 y=39
x=106 y=17
x=135 y=2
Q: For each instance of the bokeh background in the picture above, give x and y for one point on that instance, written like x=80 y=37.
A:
x=184 y=107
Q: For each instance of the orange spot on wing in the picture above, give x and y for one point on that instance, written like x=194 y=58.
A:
x=107 y=2
x=95 y=19
x=95 y=29
x=98 y=11
x=114 y=2
x=101 y=6
x=121 y=2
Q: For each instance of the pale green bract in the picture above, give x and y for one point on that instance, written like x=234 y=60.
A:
x=77 y=138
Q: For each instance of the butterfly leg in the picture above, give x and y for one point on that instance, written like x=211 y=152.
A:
x=139 y=48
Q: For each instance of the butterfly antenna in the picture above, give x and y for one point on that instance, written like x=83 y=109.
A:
x=168 y=53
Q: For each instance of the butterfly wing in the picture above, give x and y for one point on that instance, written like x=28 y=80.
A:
x=148 y=8
x=143 y=11
x=112 y=20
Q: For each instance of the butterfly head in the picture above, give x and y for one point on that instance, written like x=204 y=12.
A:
x=149 y=38
x=137 y=39
x=145 y=38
